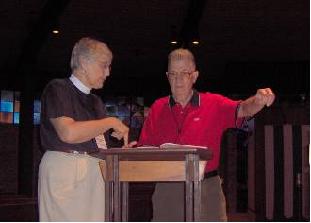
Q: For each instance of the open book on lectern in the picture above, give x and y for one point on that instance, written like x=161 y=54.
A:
x=172 y=146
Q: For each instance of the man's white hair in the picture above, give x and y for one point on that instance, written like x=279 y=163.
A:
x=181 y=54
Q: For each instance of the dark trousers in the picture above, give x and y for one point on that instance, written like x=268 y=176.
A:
x=168 y=201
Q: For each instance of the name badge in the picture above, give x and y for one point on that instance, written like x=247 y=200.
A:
x=101 y=142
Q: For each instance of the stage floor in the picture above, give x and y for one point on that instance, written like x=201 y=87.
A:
x=23 y=208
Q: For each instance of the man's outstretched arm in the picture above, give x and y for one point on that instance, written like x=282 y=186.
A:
x=252 y=105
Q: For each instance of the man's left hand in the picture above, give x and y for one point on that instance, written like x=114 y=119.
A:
x=264 y=97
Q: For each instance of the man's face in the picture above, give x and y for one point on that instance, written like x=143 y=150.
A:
x=181 y=75
x=97 y=70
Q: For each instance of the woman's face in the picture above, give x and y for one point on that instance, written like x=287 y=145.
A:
x=97 y=70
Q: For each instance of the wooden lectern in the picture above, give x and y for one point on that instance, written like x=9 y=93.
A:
x=120 y=166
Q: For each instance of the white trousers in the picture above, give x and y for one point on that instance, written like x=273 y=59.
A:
x=71 y=188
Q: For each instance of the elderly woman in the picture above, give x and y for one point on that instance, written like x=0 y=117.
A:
x=73 y=125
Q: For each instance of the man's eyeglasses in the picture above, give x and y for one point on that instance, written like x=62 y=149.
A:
x=181 y=75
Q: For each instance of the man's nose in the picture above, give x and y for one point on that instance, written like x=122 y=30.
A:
x=179 y=79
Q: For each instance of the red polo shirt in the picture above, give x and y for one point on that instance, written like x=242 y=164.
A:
x=201 y=123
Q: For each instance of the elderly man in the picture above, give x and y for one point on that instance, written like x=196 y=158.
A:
x=191 y=117
x=73 y=124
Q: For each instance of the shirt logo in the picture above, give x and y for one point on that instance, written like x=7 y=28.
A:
x=196 y=119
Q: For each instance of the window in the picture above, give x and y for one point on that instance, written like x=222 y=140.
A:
x=36 y=112
x=10 y=108
x=129 y=109
x=7 y=107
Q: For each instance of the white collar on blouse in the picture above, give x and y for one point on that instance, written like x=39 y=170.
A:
x=76 y=82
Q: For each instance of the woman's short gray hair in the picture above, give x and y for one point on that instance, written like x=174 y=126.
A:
x=89 y=48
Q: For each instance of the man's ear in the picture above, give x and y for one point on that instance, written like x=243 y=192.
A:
x=195 y=76
x=166 y=74
x=83 y=61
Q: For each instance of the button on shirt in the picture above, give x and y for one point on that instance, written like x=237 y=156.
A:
x=201 y=122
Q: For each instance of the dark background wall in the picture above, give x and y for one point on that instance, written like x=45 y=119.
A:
x=244 y=45
x=270 y=39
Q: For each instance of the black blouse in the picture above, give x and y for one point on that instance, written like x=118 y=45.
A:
x=61 y=98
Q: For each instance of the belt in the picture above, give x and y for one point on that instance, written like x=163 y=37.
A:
x=211 y=174
x=78 y=152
